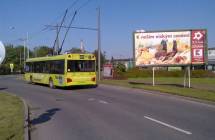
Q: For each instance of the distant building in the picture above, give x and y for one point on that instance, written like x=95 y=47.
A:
x=211 y=59
x=128 y=62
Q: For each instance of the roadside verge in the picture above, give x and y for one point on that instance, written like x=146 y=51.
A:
x=186 y=93
x=13 y=117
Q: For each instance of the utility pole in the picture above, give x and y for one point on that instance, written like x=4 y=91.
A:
x=99 y=45
x=82 y=46
x=27 y=45
x=24 y=52
x=20 y=58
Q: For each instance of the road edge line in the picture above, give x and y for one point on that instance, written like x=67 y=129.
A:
x=168 y=125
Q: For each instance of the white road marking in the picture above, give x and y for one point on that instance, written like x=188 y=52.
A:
x=91 y=99
x=167 y=125
x=103 y=102
x=100 y=101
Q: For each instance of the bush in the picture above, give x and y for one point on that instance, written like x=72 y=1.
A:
x=138 y=73
x=120 y=68
x=4 y=69
x=202 y=73
x=119 y=71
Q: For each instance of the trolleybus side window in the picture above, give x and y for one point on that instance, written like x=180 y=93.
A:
x=57 y=67
x=52 y=67
x=27 y=67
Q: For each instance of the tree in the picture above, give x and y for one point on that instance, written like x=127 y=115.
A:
x=10 y=54
x=13 y=55
x=102 y=58
x=120 y=67
x=41 y=51
x=75 y=50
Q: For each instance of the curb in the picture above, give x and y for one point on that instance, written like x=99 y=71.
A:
x=26 y=120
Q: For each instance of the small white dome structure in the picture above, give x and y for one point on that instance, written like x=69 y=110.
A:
x=2 y=52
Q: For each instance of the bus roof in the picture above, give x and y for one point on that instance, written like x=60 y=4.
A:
x=87 y=56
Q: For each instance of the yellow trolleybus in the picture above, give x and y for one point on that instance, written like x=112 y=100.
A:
x=62 y=70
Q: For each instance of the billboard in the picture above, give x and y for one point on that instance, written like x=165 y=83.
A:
x=198 y=46
x=107 y=71
x=169 y=48
x=211 y=54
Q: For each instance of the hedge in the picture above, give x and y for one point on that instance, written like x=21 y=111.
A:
x=138 y=73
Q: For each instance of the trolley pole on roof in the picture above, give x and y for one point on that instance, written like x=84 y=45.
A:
x=99 y=45
x=57 y=40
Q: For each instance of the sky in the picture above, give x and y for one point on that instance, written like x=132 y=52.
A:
x=119 y=19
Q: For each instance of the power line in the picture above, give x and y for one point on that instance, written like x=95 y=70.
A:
x=44 y=29
x=31 y=36
x=73 y=4
x=74 y=27
x=83 y=5
x=76 y=11
x=67 y=9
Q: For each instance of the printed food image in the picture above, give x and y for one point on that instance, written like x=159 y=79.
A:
x=165 y=53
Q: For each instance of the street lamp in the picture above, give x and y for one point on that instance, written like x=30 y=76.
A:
x=25 y=42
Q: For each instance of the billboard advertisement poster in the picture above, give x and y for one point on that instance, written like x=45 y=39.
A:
x=198 y=44
x=162 y=48
x=108 y=71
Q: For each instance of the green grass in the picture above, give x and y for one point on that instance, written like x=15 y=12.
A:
x=201 y=88
x=11 y=117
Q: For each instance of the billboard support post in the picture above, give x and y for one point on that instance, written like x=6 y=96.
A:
x=187 y=75
x=153 y=76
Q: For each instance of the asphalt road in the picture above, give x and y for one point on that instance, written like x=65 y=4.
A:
x=111 y=113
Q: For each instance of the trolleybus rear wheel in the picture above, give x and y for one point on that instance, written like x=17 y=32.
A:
x=51 y=84
x=31 y=80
